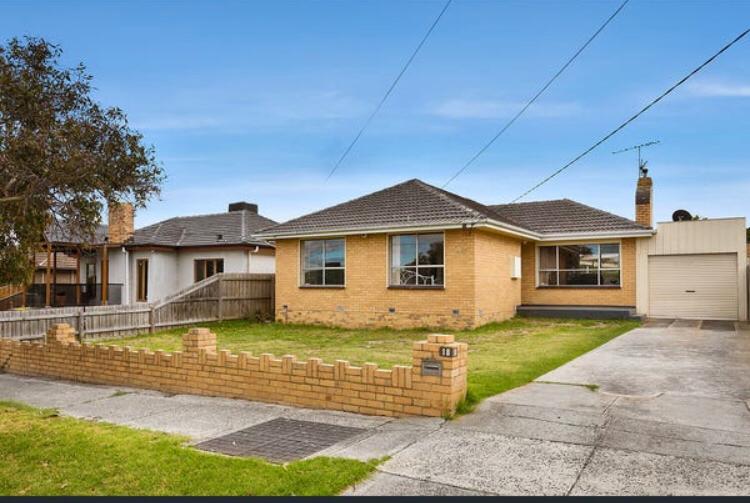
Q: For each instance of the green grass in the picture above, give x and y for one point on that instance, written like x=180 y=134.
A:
x=501 y=355
x=44 y=454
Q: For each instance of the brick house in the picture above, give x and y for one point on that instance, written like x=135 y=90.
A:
x=414 y=255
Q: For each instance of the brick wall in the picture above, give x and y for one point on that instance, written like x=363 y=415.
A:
x=623 y=296
x=496 y=293
x=199 y=369
x=367 y=301
x=120 y=222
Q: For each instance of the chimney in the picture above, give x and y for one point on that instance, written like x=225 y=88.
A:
x=644 y=199
x=121 y=223
x=243 y=206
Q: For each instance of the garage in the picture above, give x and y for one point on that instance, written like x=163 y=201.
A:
x=699 y=286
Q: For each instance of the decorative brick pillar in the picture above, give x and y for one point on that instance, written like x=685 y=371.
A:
x=440 y=365
x=61 y=333
x=198 y=339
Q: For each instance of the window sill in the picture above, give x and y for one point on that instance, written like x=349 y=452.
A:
x=580 y=287
x=324 y=287
x=415 y=287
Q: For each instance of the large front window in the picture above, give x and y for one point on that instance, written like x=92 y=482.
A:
x=323 y=262
x=580 y=265
x=417 y=260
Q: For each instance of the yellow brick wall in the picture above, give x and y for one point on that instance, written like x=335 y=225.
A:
x=366 y=299
x=623 y=296
x=496 y=293
x=199 y=369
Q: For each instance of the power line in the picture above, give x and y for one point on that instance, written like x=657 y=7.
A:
x=390 y=90
x=536 y=96
x=634 y=117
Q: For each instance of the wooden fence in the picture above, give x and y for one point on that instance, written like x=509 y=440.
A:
x=224 y=296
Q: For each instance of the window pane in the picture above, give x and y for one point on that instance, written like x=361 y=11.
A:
x=610 y=277
x=220 y=265
x=199 y=275
x=579 y=256
x=430 y=276
x=580 y=277
x=610 y=256
x=314 y=277
x=403 y=251
x=404 y=276
x=430 y=249
x=334 y=252
x=335 y=277
x=547 y=278
x=548 y=257
x=313 y=254
x=209 y=268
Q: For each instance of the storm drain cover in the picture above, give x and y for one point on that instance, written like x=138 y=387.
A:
x=280 y=440
x=724 y=326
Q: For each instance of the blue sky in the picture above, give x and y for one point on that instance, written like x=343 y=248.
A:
x=256 y=100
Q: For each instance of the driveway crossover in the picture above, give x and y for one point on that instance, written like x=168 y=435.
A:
x=659 y=410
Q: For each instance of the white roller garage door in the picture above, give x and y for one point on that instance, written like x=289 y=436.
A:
x=693 y=286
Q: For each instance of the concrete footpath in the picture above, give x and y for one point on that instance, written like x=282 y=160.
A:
x=660 y=410
x=202 y=418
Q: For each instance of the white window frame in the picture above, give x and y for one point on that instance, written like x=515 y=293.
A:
x=301 y=264
x=389 y=272
x=558 y=270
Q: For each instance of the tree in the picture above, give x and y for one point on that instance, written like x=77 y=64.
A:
x=63 y=156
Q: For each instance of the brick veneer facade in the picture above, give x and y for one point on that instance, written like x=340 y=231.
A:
x=478 y=285
x=571 y=296
x=201 y=370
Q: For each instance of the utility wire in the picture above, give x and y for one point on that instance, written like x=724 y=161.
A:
x=390 y=90
x=536 y=96
x=634 y=117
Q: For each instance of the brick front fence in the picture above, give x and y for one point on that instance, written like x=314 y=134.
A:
x=432 y=386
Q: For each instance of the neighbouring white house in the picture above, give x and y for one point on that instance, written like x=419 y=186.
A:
x=123 y=265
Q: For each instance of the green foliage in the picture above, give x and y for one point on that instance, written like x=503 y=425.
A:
x=62 y=155
x=502 y=356
x=44 y=454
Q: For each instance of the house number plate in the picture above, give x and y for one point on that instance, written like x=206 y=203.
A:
x=448 y=351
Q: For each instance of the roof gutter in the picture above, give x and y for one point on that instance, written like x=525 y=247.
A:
x=563 y=236
x=488 y=224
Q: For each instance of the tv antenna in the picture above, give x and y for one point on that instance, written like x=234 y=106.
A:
x=641 y=163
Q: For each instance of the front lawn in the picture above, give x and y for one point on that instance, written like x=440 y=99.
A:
x=44 y=454
x=501 y=355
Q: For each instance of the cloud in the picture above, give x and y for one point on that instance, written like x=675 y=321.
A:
x=235 y=111
x=460 y=108
x=721 y=89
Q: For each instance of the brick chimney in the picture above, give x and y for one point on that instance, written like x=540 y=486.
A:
x=644 y=199
x=121 y=224
x=243 y=206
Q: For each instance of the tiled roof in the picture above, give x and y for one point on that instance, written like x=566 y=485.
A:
x=564 y=215
x=64 y=235
x=408 y=204
x=415 y=203
x=231 y=228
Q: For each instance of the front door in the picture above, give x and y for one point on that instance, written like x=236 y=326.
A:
x=141 y=270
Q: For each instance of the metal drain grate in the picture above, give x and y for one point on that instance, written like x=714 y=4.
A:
x=280 y=440
x=723 y=326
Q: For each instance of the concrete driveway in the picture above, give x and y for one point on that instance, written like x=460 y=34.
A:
x=663 y=409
